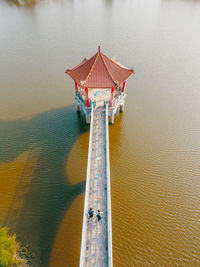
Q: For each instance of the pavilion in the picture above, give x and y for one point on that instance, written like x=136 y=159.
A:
x=100 y=81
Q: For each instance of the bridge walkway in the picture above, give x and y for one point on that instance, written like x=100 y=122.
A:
x=95 y=248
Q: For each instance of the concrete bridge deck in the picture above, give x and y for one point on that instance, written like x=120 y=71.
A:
x=96 y=246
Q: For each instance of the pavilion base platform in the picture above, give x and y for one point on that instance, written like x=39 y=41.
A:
x=114 y=108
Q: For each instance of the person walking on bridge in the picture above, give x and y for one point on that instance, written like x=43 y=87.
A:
x=91 y=213
x=99 y=215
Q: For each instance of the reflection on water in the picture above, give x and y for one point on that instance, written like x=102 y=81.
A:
x=42 y=205
x=155 y=144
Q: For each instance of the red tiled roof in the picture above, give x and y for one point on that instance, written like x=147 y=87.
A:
x=99 y=72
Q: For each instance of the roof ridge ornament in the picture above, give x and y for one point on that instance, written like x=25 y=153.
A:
x=99 y=48
x=117 y=83
x=82 y=82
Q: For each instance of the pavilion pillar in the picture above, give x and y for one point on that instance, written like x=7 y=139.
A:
x=122 y=108
x=112 y=116
x=123 y=89
x=76 y=86
x=111 y=99
x=123 y=86
x=87 y=98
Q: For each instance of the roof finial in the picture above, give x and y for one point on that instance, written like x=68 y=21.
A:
x=99 y=48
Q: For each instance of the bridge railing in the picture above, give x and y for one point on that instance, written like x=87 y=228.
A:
x=109 y=219
x=85 y=211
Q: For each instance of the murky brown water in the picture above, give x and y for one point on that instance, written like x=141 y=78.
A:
x=155 y=144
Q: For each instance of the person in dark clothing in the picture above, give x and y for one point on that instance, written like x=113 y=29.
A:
x=90 y=212
x=99 y=215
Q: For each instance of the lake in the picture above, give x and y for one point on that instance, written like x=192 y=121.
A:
x=154 y=144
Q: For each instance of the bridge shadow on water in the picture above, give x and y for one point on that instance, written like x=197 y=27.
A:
x=47 y=193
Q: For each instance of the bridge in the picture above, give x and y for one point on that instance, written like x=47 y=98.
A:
x=100 y=84
x=96 y=245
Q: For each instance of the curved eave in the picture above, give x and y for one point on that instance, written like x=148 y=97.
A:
x=102 y=86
